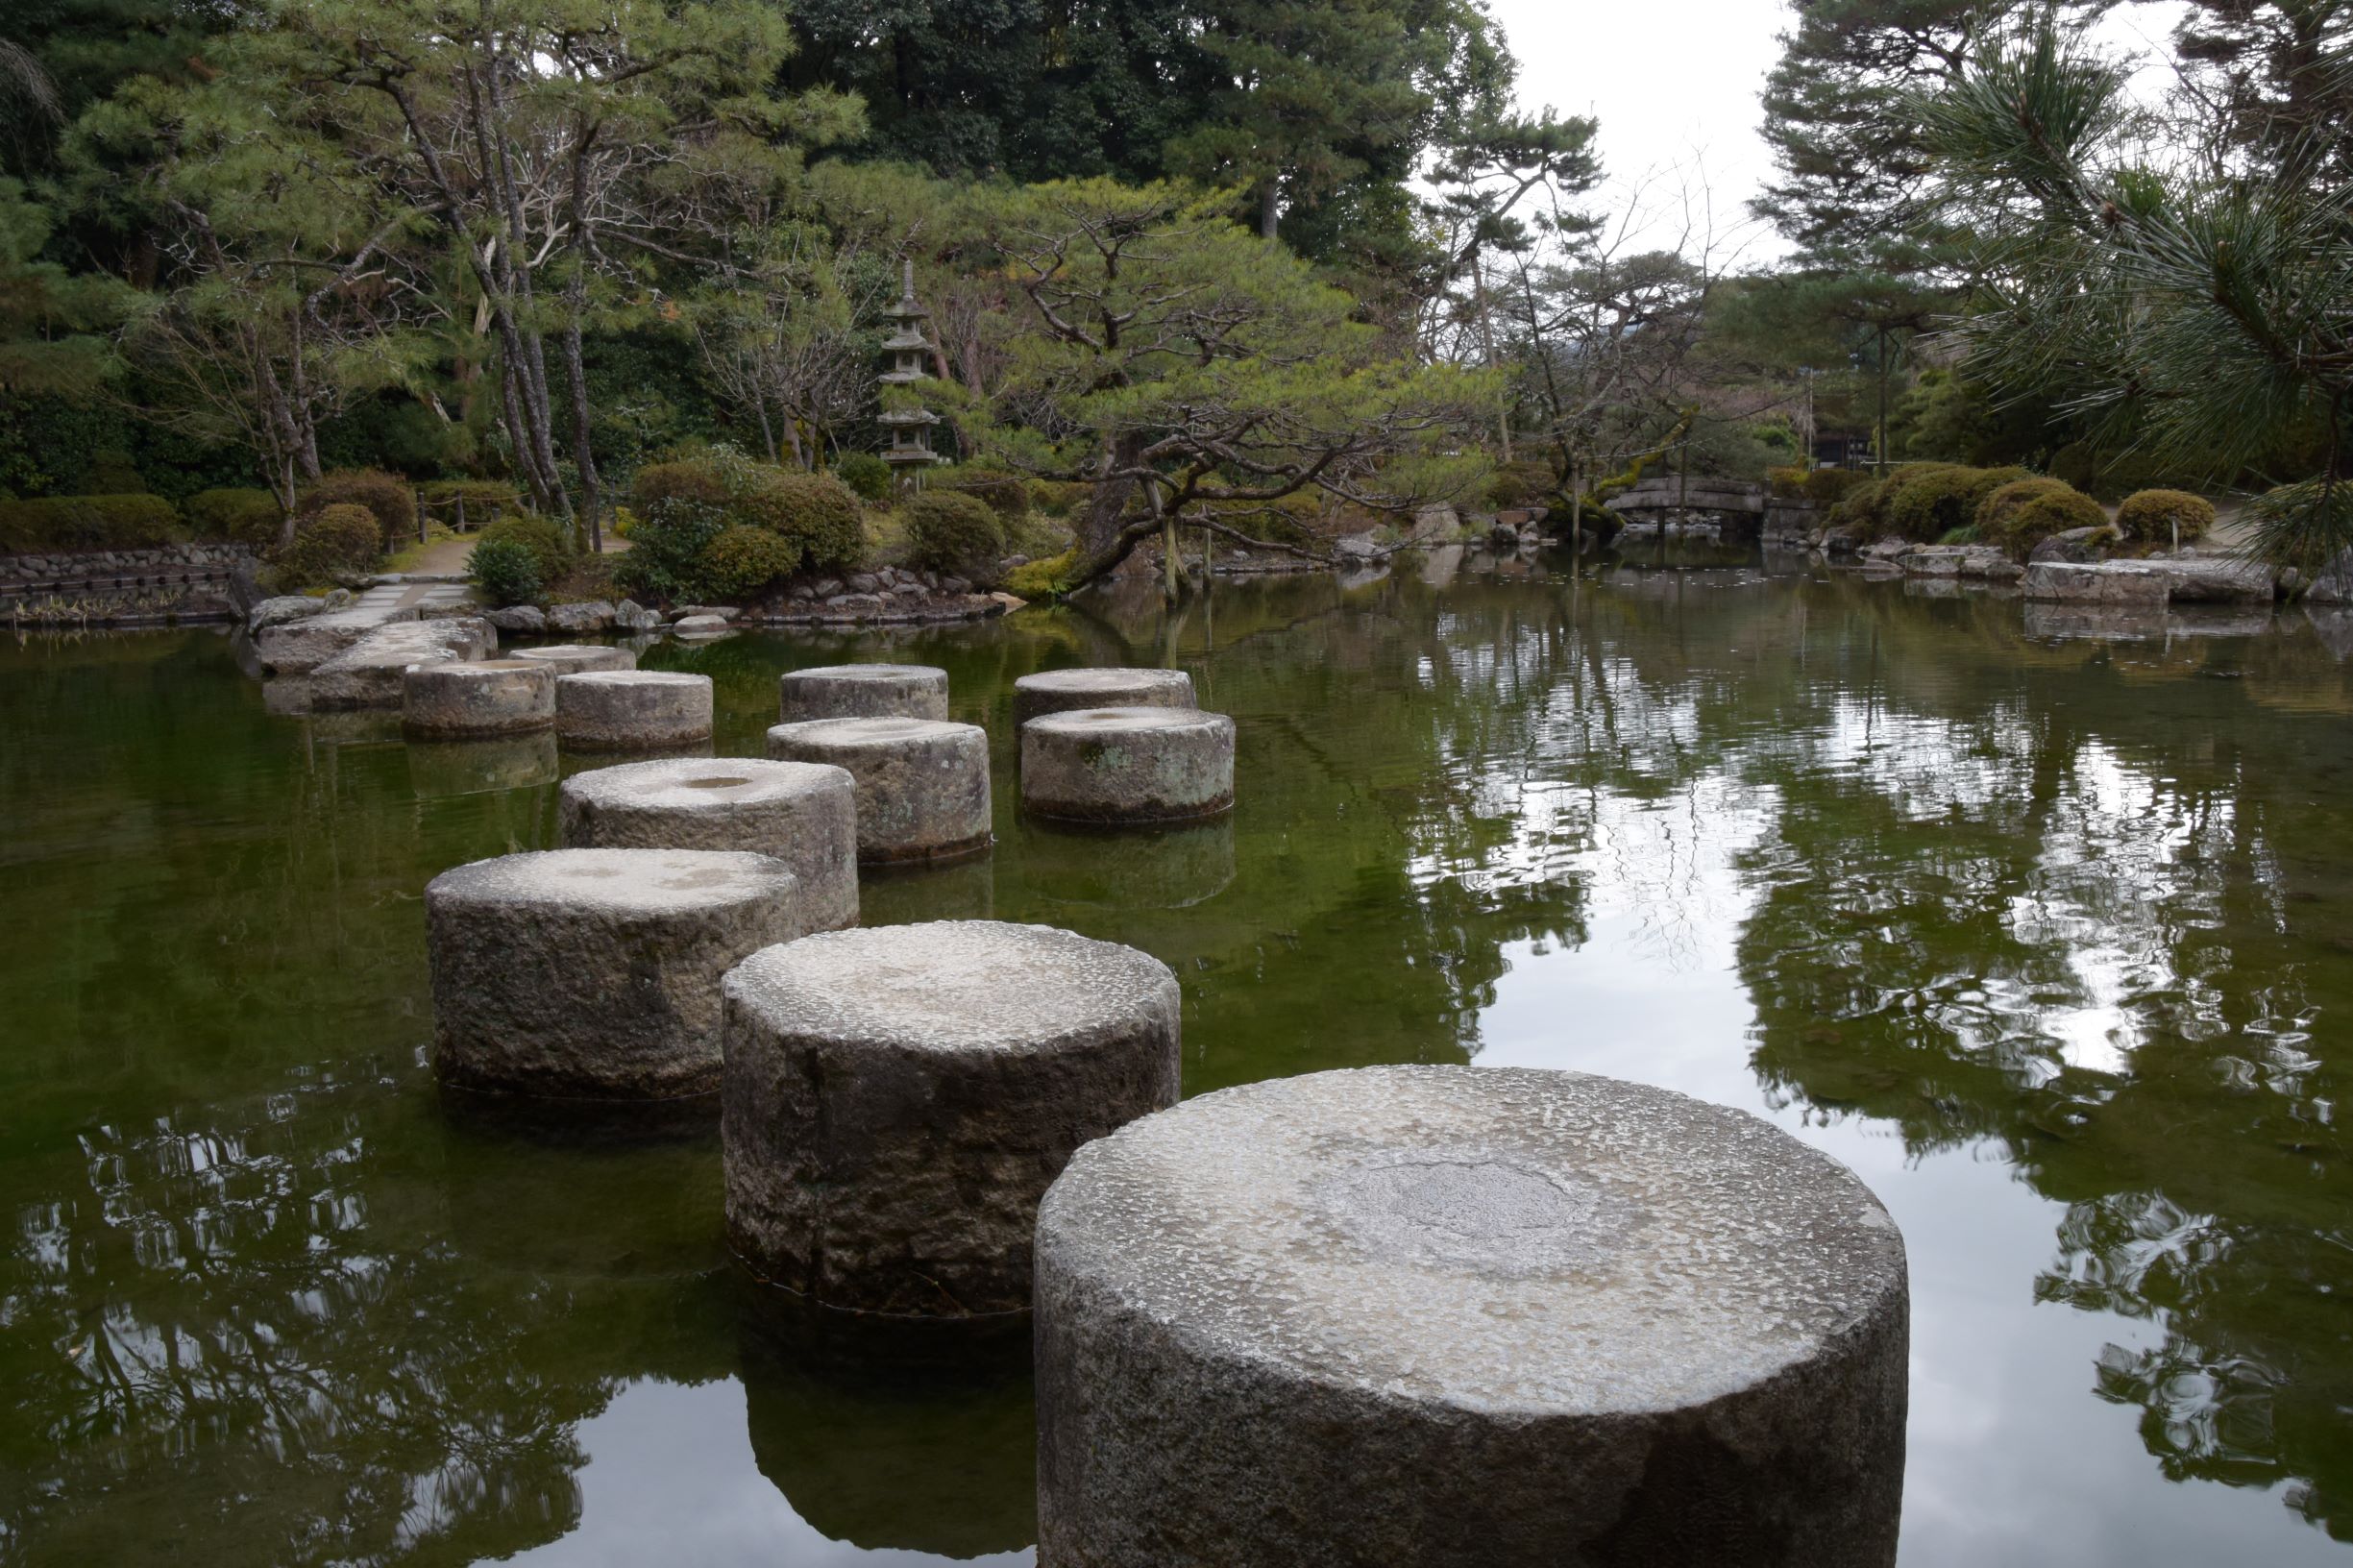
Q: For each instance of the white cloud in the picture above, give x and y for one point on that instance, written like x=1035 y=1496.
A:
x=1676 y=85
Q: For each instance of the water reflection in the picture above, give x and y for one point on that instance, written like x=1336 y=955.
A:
x=2043 y=926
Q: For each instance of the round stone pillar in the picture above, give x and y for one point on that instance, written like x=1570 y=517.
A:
x=594 y=974
x=897 y=1098
x=922 y=785
x=1114 y=766
x=1466 y=1317
x=459 y=702
x=632 y=710
x=580 y=658
x=862 y=691
x=802 y=814
x=1059 y=691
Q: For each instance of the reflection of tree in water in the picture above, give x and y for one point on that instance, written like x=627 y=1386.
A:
x=2031 y=905
x=322 y=1328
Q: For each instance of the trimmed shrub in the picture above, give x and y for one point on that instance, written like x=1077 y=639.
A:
x=2023 y=513
x=1519 y=483
x=1932 y=500
x=696 y=479
x=2150 y=517
x=816 y=513
x=340 y=540
x=949 y=531
x=245 y=517
x=867 y=476
x=548 y=540
x=1785 y=483
x=1863 y=509
x=506 y=570
x=113 y=472
x=68 y=522
x=1834 y=484
x=1005 y=494
x=666 y=547
x=743 y=562
x=386 y=495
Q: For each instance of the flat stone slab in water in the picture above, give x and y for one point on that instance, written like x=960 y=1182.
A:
x=580 y=658
x=1128 y=765
x=630 y=710
x=594 y=974
x=922 y=785
x=897 y=1100
x=370 y=673
x=488 y=697
x=1456 y=1316
x=1058 y=691
x=803 y=814
x=862 y=691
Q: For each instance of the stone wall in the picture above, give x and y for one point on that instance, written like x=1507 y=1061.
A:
x=128 y=587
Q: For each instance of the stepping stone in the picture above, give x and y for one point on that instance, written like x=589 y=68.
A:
x=489 y=697
x=922 y=785
x=1465 y=1317
x=862 y=691
x=632 y=710
x=594 y=974
x=802 y=814
x=1128 y=765
x=371 y=672
x=897 y=1098
x=1059 y=691
x=580 y=658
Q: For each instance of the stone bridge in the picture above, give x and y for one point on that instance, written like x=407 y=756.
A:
x=1698 y=493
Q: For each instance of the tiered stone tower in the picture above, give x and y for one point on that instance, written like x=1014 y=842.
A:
x=909 y=347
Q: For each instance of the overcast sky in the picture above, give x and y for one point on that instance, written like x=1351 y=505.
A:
x=1674 y=83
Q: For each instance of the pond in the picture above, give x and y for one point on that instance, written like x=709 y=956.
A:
x=2050 y=939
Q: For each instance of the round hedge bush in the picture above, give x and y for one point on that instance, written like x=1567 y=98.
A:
x=867 y=476
x=1863 y=510
x=2023 y=513
x=2150 y=517
x=341 y=539
x=549 y=541
x=743 y=561
x=1832 y=485
x=506 y=570
x=950 y=531
x=816 y=513
x=1931 y=499
x=386 y=495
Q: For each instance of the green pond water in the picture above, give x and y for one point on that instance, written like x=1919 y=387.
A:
x=2049 y=937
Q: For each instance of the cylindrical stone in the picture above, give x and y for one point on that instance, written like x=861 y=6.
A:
x=1457 y=1316
x=1127 y=765
x=862 y=691
x=580 y=658
x=803 y=814
x=897 y=1098
x=594 y=974
x=496 y=697
x=624 y=710
x=922 y=785
x=1059 y=691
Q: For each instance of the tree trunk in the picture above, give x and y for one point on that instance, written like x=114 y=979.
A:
x=576 y=372
x=1269 y=207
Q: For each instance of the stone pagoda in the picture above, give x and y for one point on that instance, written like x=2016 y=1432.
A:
x=910 y=351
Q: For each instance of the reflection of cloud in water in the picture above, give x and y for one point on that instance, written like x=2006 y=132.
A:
x=661 y=1453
